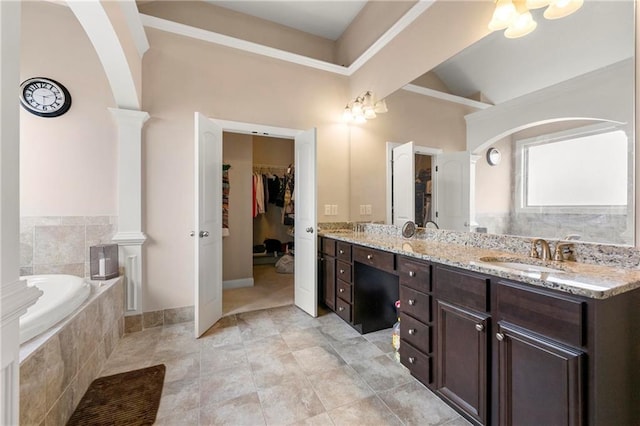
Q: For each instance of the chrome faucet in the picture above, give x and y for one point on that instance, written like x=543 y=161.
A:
x=546 y=251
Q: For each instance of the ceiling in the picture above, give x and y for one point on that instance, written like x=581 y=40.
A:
x=599 y=34
x=328 y=18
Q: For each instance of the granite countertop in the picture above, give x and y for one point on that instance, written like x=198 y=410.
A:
x=592 y=281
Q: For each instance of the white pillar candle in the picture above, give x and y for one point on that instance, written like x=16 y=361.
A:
x=102 y=267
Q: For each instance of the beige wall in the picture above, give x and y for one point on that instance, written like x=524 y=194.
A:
x=277 y=152
x=181 y=76
x=237 y=260
x=68 y=163
x=494 y=184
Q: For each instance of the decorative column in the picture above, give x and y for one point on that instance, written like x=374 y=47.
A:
x=130 y=237
x=15 y=296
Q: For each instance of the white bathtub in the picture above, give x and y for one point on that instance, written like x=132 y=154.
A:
x=63 y=294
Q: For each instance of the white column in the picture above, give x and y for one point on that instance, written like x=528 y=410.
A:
x=130 y=236
x=15 y=296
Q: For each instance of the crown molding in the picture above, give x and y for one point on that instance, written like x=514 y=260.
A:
x=259 y=49
x=445 y=96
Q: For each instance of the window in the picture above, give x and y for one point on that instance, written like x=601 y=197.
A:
x=579 y=171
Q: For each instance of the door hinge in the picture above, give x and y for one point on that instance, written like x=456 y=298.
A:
x=436 y=214
x=436 y=169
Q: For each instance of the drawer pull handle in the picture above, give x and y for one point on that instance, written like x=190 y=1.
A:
x=500 y=337
x=340 y=308
x=412 y=331
x=412 y=302
x=412 y=274
x=412 y=360
x=369 y=256
x=479 y=327
x=341 y=251
x=342 y=290
x=342 y=271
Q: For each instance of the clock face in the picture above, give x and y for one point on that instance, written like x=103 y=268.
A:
x=44 y=97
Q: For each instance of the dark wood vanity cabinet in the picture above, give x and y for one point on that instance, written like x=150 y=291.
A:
x=328 y=272
x=462 y=340
x=416 y=313
x=344 y=282
x=541 y=359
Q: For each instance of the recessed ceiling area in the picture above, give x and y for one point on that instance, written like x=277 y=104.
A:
x=326 y=19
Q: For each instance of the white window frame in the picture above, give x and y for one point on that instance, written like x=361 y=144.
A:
x=520 y=173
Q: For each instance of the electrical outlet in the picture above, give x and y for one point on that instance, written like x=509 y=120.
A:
x=367 y=209
x=327 y=209
x=334 y=209
x=362 y=209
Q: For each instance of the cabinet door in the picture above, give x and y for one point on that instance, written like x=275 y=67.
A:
x=540 y=382
x=329 y=282
x=462 y=359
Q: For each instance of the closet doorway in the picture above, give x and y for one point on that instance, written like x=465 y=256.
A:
x=258 y=249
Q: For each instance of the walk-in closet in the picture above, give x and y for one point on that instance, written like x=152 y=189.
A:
x=258 y=216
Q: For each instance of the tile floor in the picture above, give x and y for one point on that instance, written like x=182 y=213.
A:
x=279 y=366
x=270 y=289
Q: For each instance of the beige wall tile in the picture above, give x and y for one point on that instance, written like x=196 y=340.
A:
x=58 y=245
x=33 y=403
x=76 y=269
x=152 y=319
x=178 y=315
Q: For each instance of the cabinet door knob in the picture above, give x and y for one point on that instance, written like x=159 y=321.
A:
x=412 y=360
x=369 y=256
x=412 y=274
x=340 y=308
x=341 y=251
x=342 y=271
x=412 y=302
x=412 y=331
x=500 y=337
x=479 y=327
x=341 y=290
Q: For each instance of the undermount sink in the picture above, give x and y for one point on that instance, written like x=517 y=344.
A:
x=518 y=264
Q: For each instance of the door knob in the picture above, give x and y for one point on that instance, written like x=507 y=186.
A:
x=192 y=233
x=412 y=331
x=309 y=230
x=204 y=234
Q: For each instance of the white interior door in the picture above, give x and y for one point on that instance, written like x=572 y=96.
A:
x=305 y=240
x=453 y=195
x=208 y=223
x=404 y=188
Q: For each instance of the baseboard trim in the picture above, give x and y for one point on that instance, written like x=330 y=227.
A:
x=242 y=282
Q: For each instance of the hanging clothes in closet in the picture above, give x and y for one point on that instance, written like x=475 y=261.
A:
x=288 y=211
x=269 y=188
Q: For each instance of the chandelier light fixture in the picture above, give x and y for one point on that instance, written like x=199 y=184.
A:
x=515 y=18
x=363 y=108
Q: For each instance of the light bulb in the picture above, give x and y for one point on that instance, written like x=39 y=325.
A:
x=522 y=26
x=367 y=100
x=503 y=15
x=380 y=107
x=356 y=108
x=561 y=8
x=346 y=114
x=369 y=113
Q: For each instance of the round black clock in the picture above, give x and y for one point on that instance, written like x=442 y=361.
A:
x=44 y=97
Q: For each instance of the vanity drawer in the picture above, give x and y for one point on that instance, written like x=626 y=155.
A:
x=343 y=309
x=343 y=271
x=372 y=257
x=329 y=247
x=555 y=316
x=343 y=251
x=418 y=363
x=414 y=274
x=415 y=303
x=415 y=332
x=461 y=288
x=345 y=291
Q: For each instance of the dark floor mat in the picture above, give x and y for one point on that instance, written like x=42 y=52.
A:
x=130 y=398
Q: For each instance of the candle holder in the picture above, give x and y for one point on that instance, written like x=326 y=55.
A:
x=103 y=261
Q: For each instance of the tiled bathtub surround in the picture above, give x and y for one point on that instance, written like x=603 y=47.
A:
x=60 y=244
x=57 y=367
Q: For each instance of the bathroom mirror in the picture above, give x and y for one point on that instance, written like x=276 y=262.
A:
x=569 y=81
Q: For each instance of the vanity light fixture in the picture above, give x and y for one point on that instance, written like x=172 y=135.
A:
x=364 y=108
x=516 y=18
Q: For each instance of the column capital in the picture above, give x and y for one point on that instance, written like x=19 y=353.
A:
x=134 y=238
x=129 y=115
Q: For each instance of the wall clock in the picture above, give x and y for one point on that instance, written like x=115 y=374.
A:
x=44 y=97
x=493 y=156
